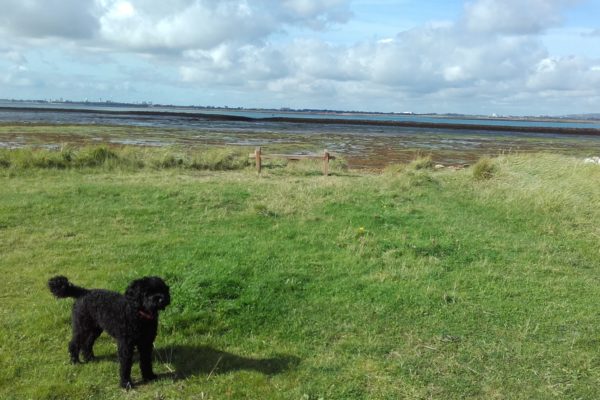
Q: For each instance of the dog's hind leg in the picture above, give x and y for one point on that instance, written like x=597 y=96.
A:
x=80 y=323
x=125 y=349
x=87 y=349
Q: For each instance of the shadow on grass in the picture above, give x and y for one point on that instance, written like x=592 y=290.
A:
x=188 y=361
x=203 y=360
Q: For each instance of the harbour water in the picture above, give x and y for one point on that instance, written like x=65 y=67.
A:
x=11 y=111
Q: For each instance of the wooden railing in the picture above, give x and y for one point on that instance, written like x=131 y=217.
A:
x=259 y=156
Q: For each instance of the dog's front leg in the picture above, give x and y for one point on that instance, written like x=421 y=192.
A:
x=146 y=361
x=125 y=349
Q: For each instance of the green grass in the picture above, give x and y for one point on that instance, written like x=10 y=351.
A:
x=124 y=158
x=413 y=283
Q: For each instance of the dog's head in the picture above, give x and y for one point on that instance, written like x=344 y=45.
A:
x=149 y=294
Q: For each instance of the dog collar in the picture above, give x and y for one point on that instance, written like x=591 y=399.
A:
x=145 y=315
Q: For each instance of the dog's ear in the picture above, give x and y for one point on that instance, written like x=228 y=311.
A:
x=134 y=291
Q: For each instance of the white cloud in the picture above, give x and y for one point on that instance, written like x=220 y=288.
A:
x=163 y=26
x=565 y=74
x=437 y=62
x=13 y=56
x=13 y=68
x=203 y=24
x=514 y=16
x=316 y=14
x=194 y=25
x=73 y=19
x=493 y=52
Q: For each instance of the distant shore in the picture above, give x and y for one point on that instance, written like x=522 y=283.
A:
x=199 y=116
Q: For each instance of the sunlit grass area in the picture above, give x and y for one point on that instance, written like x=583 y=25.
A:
x=411 y=283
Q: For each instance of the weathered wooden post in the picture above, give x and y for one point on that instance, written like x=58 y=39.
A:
x=257 y=153
x=325 y=162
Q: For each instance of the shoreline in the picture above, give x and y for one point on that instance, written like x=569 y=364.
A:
x=324 y=121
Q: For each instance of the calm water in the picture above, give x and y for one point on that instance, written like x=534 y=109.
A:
x=370 y=146
x=7 y=115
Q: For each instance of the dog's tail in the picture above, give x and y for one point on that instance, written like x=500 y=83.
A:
x=61 y=288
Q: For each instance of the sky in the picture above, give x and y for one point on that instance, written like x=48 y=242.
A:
x=505 y=57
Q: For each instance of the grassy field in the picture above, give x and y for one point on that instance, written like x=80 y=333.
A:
x=412 y=283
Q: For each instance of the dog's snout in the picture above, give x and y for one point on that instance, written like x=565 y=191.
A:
x=160 y=299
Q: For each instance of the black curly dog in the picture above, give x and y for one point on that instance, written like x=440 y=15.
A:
x=132 y=319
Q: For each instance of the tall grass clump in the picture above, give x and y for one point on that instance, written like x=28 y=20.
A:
x=165 y=158
x=95 y=156
x=30 y=158
x=556 y=185
x=219 y=159
x=421 y=163
x=394 y=169
x=4 y=160
x=418 y=164
x=484 y=169
x=126 y=157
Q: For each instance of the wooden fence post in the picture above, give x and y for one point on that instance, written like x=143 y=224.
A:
x=258 y=156
x=325 y=162
x=257 y=153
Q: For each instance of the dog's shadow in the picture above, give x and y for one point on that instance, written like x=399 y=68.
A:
x=186 y=361
x=189 y=361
